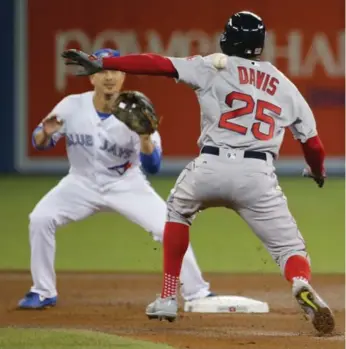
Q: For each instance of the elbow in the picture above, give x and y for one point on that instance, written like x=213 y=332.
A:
x=151 y=163
x=40 y=148
x=34 y=144
x=153 y=169
x=314 y=145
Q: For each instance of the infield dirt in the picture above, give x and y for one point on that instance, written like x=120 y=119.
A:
x=115 y=303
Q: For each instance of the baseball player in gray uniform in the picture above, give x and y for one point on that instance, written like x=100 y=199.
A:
x=246 y=104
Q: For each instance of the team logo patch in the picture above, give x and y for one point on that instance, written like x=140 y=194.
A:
x=121 y=169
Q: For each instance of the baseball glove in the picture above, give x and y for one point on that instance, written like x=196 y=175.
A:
x=89 y=64
x=136 y=111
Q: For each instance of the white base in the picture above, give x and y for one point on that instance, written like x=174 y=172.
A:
x=226 y=304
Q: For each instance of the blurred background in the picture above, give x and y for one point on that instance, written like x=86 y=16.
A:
x=306 y=40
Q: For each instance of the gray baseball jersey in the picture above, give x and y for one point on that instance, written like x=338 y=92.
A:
x=248 y=104
x=245 y=106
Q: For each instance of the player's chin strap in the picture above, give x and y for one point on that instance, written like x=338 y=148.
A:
x=121 y=169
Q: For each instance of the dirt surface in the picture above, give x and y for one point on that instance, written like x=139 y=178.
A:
x=115 y=303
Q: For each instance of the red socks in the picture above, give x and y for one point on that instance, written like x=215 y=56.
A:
x=175 y=243
x=297 y=267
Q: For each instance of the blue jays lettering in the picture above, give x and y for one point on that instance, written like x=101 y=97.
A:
x=87 y=140
x=84 y=140
x=116 y=150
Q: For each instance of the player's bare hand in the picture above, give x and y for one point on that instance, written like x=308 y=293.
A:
x=318 y=179
x=51 y=124
x=89 y=63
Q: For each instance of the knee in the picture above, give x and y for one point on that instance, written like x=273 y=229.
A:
x=40 y=221
x=174 y=215
x=180 y=211
x=157 y=230
x=155 y=222
x=158 y=226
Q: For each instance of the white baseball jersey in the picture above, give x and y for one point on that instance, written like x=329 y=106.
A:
x=102 y=150
x=248 y=104
x=101 y=179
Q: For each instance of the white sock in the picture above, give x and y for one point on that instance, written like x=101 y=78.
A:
x=300 y=279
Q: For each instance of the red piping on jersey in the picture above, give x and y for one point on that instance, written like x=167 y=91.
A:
x=143 y=64
x=314 y=155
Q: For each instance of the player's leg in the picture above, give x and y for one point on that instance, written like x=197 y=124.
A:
x=181 y=208
x=70 y=200
x=267 y=213
x=143 y=206
x=199 y=187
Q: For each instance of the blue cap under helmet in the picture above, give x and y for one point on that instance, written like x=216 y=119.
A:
x=106 y=52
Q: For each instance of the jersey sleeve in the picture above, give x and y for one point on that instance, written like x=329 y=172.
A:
x=64 y=108
x=195 y=71
x=304 y=124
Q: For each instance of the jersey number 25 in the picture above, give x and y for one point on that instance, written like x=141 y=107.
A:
x=249 y=108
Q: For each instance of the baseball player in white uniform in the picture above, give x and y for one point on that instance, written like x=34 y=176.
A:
x=105 y=175
x=246 y=104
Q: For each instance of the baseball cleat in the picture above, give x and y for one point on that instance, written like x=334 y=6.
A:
x=163 y=309
x=34 y=300
x=314 y=307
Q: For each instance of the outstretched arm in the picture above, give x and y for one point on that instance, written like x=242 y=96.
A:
x=196 y=71
x=148 y=64
x=145 y=64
